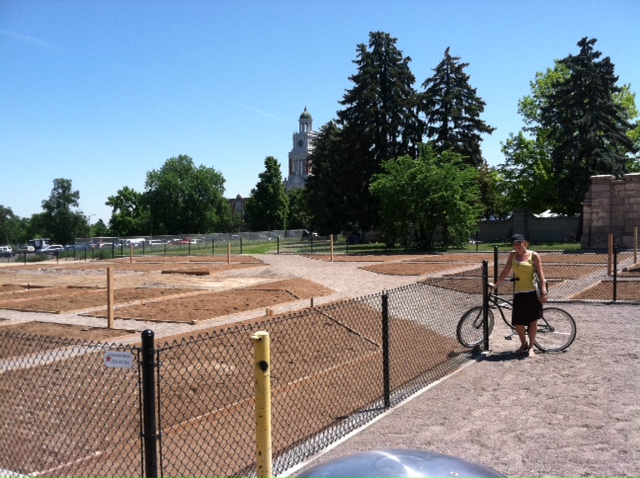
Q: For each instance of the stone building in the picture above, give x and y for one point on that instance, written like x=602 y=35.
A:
x=299 y=165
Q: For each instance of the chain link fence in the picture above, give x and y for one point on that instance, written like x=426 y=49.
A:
x=334 y=368
x=67 y=411
x=64 y=412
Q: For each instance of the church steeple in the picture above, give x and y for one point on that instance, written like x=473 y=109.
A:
x=299 y=167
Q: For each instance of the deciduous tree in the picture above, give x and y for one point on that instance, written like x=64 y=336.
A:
x=183 y=198
x=59 y=220
x=129 y=213
x=432 y=201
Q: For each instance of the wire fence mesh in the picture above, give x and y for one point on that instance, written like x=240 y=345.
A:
x=334 y=368
x=66 y=414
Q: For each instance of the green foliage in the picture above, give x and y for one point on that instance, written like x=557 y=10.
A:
x=268 y=207
x=492 y=197
x=432 y=201
x=299 y=212
x=587 y=128
x=59 y=221
x=99 y=229
x=184 y=199
x=379 y=122
x=130 y=214
x=452 y=109
x=336 y=186
x=10 y=227
x=580 y=122
x=527 y=175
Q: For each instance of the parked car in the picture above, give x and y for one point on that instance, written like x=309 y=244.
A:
x=54 y=249
x=26 y=248
x=6 y=251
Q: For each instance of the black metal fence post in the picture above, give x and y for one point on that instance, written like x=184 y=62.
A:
x=385 y=350
x=495 y=265
x=485 y=304
x=615 y=273
x=277 y=244
x=149 y=432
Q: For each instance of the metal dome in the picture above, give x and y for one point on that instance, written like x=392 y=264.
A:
x=398 y=463
x=305 y=114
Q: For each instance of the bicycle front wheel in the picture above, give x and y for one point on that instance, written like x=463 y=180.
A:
x=470 y=332
x=556 y=330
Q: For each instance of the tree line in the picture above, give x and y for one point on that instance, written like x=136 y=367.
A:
x=403 y=160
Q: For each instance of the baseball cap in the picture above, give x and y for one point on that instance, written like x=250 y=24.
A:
x=517 y=238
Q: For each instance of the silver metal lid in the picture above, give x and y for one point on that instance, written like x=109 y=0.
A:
x=398 y=463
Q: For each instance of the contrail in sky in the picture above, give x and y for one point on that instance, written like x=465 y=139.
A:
x=161 y=78
x=50 y=46
x=30 y=40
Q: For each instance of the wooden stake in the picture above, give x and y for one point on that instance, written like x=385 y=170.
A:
x=610 y=255
x=110 y=299
x=331 y=245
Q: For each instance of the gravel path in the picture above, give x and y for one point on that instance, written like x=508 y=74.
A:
x=571 y=414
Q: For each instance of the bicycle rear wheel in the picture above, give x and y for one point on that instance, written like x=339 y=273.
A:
x=469 y=329
x=556 y=330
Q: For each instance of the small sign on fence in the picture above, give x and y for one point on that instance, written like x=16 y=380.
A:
x=118 y=359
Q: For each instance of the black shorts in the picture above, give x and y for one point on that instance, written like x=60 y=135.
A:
x=526 y=308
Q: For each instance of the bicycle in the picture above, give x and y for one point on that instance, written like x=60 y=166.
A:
x=556 y=327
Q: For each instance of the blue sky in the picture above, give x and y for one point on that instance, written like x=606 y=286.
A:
x=101 y=92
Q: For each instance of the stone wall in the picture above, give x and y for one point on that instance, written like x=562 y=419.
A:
x=611 y=206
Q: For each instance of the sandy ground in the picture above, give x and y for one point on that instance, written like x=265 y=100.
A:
x=571 y=414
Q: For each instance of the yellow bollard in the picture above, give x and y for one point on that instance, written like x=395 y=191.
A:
x=262 y=374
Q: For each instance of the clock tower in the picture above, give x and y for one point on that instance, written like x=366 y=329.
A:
x=299 y=167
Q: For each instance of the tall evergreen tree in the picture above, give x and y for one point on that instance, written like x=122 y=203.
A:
x=587 y=127
x=452 y=109
x=268 y=207
x=379 y=121
x=337 y=201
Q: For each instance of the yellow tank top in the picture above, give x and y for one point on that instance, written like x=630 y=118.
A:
x=523 y=272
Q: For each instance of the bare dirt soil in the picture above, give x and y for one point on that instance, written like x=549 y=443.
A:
x=178 y=289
